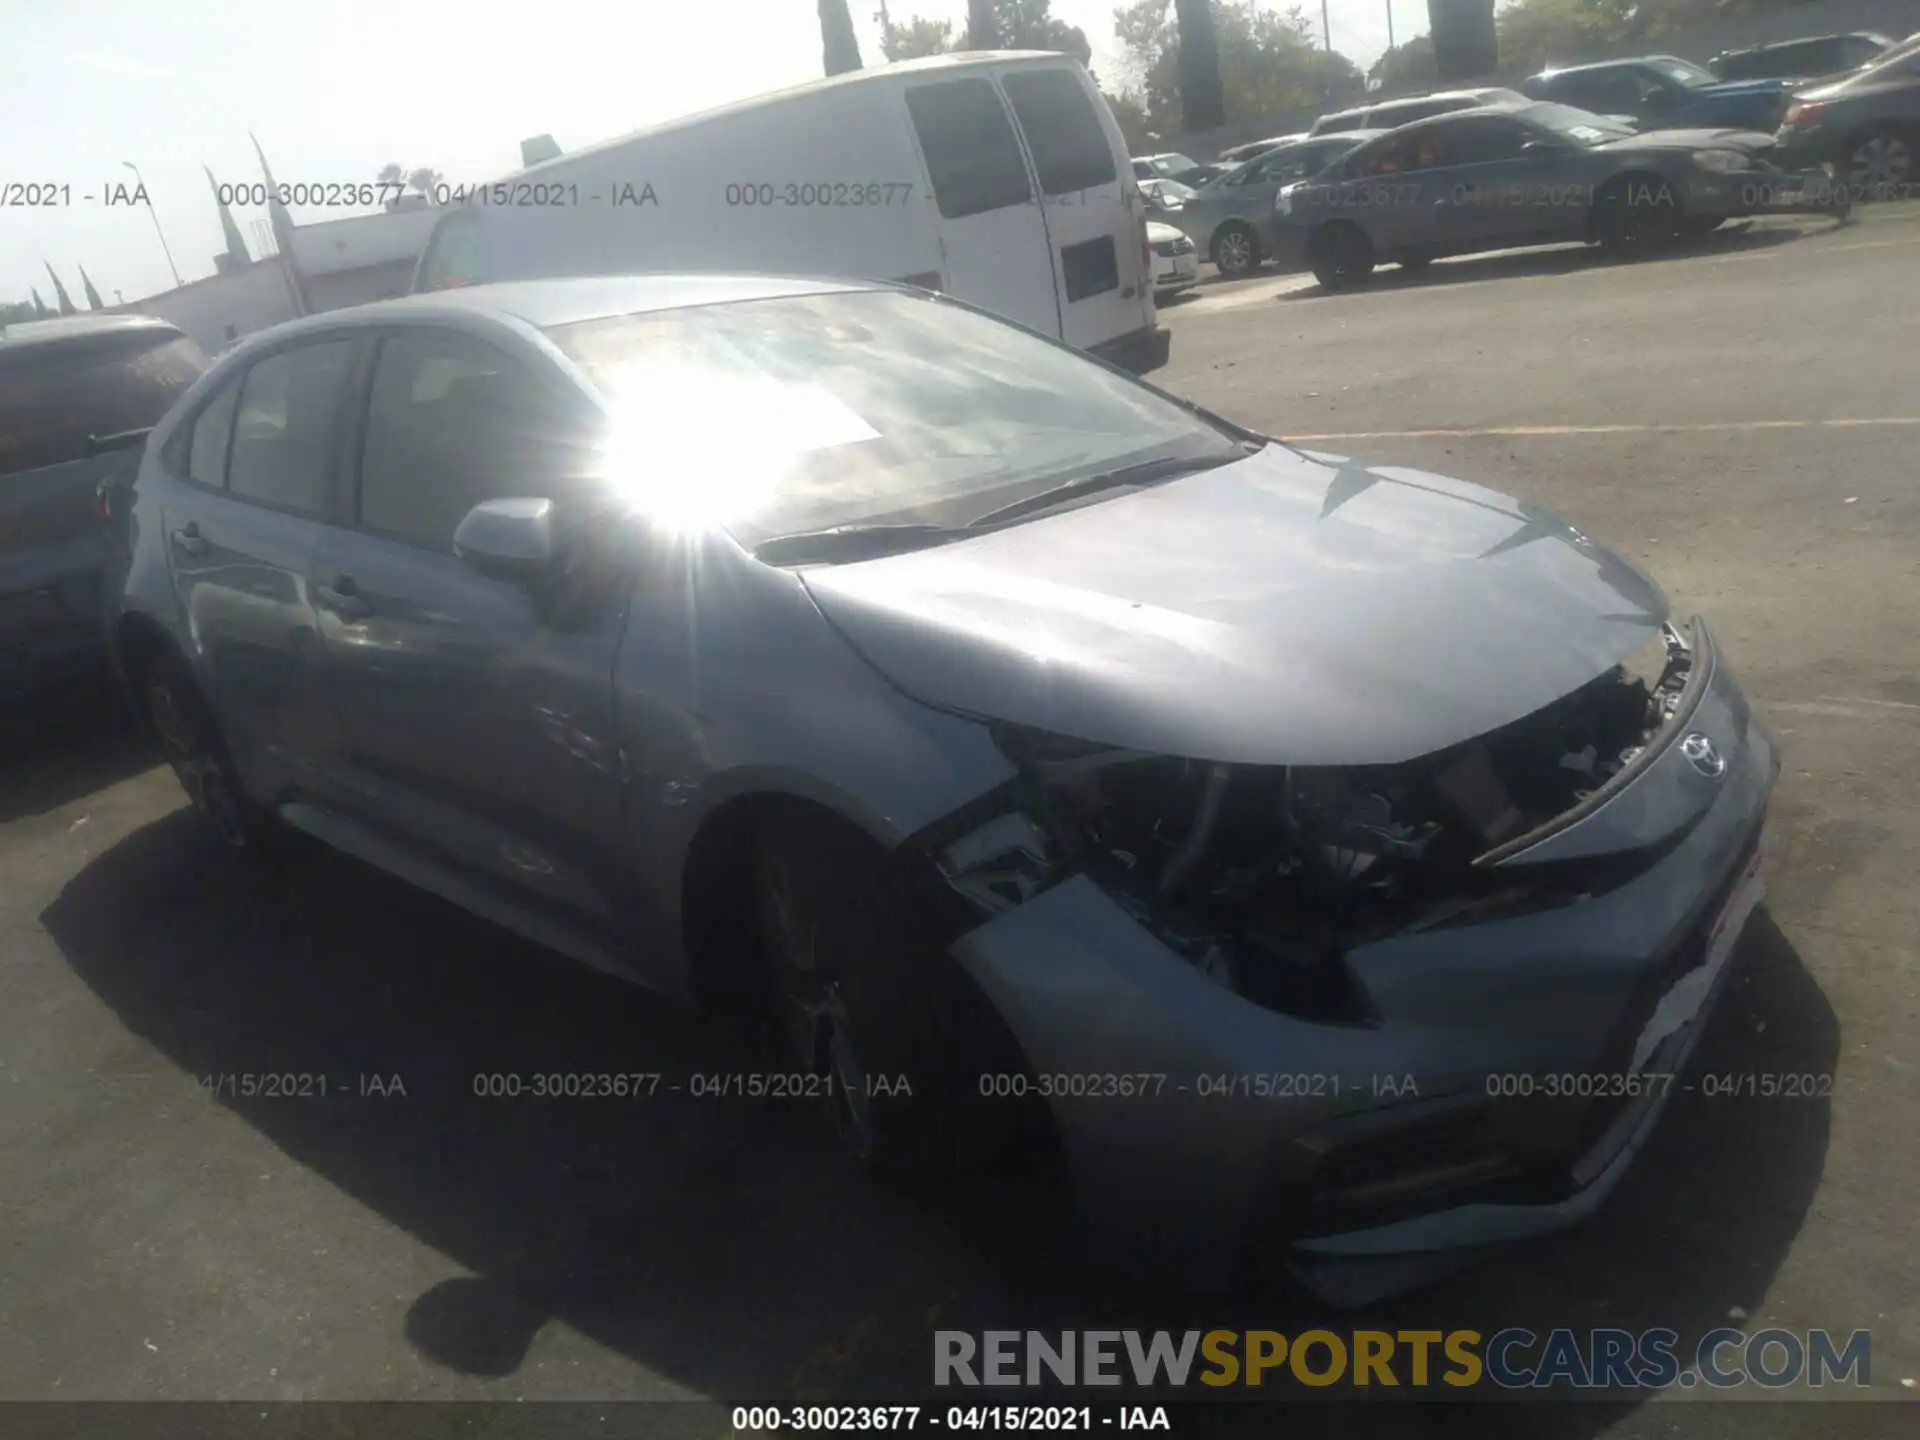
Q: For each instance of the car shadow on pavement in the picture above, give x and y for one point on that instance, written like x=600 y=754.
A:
x=719 y=1242
x=65 y=744
x=1568 y=260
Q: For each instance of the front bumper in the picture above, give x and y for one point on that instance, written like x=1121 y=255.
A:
x=1742 y=193
x=1173 y=273
x=1138 y=351
x=1366 y=1156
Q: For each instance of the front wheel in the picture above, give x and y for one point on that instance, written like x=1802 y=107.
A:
x=1880 y=164
x=1341 y=256
x=1236 y=250
x=863 y=1002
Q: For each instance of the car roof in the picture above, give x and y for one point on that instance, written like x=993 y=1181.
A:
x=544 y=304
x=1766 y=45
x=69 y=328
x=1553 y=70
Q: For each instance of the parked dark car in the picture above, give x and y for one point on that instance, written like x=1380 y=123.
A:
x=1813 y=55
x=1867 y=126
x=976 y=714
x=1665 y=92
x=1528 y=174
x=77 y=396
x=1223 y=218
x=1389 y=114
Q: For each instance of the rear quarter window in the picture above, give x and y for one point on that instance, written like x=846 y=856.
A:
x=1069 y=145
x=972 y=155
x=53 y=397
x=454 y=255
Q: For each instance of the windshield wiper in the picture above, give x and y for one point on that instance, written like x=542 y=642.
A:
x=1147 y=472
x=851 y=542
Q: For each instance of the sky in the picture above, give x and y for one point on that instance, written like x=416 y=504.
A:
x=336 y=90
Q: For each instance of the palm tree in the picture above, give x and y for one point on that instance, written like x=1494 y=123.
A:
x=840 y=50
x=1203 y=103
x=983 y=26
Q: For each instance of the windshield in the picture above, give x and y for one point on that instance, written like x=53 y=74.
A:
x=1174 y=190
x=1581 y=125
x=1175 y=164
x=803 y=413
x=1685 y=71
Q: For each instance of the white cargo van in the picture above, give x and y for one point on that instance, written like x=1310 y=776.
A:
x=999 y=178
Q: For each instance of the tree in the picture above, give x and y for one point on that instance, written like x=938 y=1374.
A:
x=392 y=173
x=1537 y=33
x=919 y=36
x=1269 y=63
x=424 y=181
x=840 y=50
x=1406 y=66
x=1464 y=47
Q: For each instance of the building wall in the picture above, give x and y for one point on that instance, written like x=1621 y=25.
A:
x=248 y=300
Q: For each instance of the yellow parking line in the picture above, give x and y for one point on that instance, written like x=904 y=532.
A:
x=1531 y=431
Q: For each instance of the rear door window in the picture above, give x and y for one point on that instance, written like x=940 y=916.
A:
x=284 y=432
x=53 y=396
x=1069 y=146
x=973 y=157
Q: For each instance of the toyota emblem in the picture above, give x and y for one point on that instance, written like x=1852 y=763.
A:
x=1704 y=755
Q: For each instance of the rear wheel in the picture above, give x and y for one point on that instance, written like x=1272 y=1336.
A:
x=1236 y=249
x=193 y=747
x=1879 y=165
x=892 y=1037
x=1341 y=256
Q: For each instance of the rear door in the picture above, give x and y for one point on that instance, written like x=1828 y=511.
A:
x=257 y=472
x=477 y=712
x=1096 y=234
x=993 y=238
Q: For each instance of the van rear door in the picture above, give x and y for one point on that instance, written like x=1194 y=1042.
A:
x=993 y=238
x=1096 y=233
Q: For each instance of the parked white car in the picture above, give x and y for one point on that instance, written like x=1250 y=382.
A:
x=1000 y=179
x=1176 y=263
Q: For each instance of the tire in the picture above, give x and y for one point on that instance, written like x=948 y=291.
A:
x=860 y=997
x=1341 y=256
x=1881 y=164
x=1236 y=250
x=175 y=712
x=1636 y=212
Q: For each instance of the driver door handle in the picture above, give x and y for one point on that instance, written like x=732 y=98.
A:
x=187 y=537
x=342 y=597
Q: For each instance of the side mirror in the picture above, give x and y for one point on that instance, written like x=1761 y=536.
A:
x=507 y=539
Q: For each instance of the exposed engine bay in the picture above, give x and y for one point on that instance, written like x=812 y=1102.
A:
x=1262 y=876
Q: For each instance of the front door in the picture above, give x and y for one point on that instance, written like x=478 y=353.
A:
x=477 y=711
x=1094 y=223
x=993 y=238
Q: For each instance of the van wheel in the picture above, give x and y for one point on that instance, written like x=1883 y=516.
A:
x=180 y=721
x=888 y=1031
x=1341 y=256
x=1236 y=249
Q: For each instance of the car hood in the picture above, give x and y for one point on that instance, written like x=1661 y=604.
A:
x=1161 y=234
x=1293 y=608
x=1748 y=87
x=1753 y=141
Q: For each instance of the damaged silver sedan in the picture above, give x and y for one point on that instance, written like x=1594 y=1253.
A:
x=1342 y=857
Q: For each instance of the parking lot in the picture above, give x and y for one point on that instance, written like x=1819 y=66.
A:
x=1742 y=418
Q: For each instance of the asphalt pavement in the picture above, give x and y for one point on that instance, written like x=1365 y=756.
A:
x=1742 y=418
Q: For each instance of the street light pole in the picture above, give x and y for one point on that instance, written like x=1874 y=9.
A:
x=164 y=247
x=1389 y=24
x=1326 y=28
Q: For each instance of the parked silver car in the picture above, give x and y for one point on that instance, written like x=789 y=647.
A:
x=1002 y=729
x=1223 y=218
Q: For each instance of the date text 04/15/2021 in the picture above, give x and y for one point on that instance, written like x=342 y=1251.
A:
x=920 y=1419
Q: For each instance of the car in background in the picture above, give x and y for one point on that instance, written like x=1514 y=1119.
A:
x=77 y=398
x=1813 y=55
x=975 y=709
x=1240 y=154
x=1176 y=265
x=1664 y=92
x=1224 y=218
x=1165 y=198
x=1389 y=114
x=1173 y=166
x=1867 y=126
x=1529 y=174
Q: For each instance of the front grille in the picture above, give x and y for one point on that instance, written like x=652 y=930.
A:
x=1167 y=249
